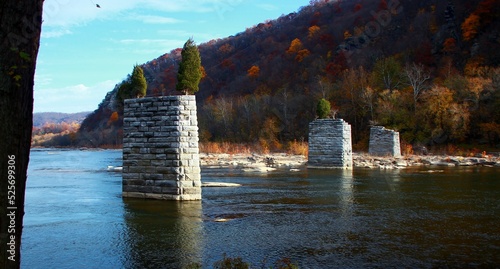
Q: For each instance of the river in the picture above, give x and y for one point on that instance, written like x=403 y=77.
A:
x=423 y=217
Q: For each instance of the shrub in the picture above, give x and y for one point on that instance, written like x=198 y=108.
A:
x=231 y=263
x=323 y=108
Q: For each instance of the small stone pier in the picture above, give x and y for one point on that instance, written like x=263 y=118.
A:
x=160 y=148
x=330 y=144
x=384 y=142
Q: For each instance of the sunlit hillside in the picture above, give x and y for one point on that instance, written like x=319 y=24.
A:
x=428 y=69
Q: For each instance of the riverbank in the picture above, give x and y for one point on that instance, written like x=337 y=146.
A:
x=282 y=161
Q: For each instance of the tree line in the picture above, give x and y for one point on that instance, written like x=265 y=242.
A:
x=408 y=97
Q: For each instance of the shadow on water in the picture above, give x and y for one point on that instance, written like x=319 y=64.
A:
x=163 y=234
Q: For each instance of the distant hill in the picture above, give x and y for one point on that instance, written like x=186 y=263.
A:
x=41 y=118
x=262 y=85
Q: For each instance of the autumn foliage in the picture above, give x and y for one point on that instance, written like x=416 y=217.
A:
x=470 y=27
x=486 y=12
x=253 y=71
x=429 y=69
x=295 y=46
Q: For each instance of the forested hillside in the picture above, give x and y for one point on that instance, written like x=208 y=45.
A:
x=44 y=118
x=429 y=69
x=56 y=129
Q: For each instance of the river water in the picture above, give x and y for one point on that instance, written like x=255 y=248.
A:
x=418 y=218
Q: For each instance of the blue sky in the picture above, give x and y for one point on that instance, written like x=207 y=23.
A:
x=85 y=50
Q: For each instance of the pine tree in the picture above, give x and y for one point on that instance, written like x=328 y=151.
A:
x=189 y=75
x=138 y=82
x=134 y=86
x=323 y=108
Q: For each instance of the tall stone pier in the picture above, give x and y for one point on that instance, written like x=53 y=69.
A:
x=160 y=148
x=384 y=142
x=330 y=144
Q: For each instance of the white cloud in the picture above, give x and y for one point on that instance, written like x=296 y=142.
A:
x=146 y=46
x=267 y=7
x=69 y=13
x=72 y=99
x=42 y=80
x=157 y=19
x=184 y=35
x=152 y=42
x=55 y=33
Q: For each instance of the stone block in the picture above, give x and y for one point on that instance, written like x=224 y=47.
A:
x=171 y=190
x=136 y=169
x=166 y=183
x=191 y=190
x=152 y=177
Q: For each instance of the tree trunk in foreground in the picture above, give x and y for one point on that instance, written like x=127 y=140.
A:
x=20 y=26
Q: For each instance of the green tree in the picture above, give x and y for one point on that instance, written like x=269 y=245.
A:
x=189 y=75
x=134 y=86
x=138 y=84
x=124 y=90
x=323 y=108
x=21 y=22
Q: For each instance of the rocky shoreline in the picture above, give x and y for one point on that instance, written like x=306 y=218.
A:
x=281 y=161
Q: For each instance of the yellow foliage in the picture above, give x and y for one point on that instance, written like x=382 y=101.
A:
x=225 y=148
x=298 y=148
x=302 y=54
x=295 y=46
x=203 y=72
x=475 y=68
x=313 y=30
x=347 y=34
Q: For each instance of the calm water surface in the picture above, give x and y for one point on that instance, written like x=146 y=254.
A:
x=76 y=218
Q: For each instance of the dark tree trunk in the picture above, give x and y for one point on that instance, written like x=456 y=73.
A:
x=20 y=26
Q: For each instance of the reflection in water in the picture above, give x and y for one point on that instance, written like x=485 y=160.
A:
x=347 y=192
x=163 y=234
x=393 y=178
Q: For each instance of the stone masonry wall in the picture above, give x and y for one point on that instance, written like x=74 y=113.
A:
x=384 y=142
x=330 y=144
x=160 y=148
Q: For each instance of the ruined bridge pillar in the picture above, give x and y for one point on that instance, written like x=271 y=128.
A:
x=384 y=142
x=160 y=148
x=330 y=144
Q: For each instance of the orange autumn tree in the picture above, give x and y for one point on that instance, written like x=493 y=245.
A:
x=486 y=12
x=113 y=117
x=295 y=46
x=313 y=30
x=301 y=54
x=470 y=27
x=253 y=72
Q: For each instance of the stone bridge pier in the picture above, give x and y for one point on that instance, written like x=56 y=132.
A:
x=384 y=142
x=160 y=148
x=330 y=144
